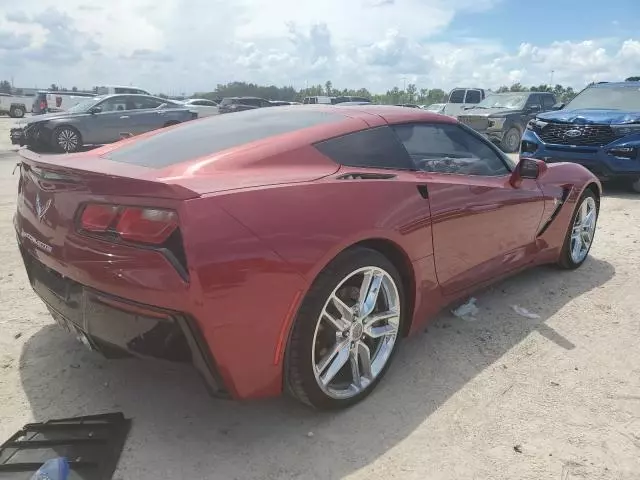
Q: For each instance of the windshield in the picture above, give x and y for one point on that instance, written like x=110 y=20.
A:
x=610 y=97
x=85 y=105
x=514 y=102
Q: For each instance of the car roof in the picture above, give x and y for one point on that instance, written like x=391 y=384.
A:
x=250 y=136
x=630 y=84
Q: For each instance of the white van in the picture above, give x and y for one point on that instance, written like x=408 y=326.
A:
x=111 y=89
x=50 y=102
x=459 y=98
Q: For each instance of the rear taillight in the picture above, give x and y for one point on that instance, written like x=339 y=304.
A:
x=151 y=226
x=97 y=217
x=146 y=225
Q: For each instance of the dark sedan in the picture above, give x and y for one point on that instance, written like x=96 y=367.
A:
x=98 y=121
x=239 y=104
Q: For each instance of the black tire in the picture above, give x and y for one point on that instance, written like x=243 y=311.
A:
x=511 y=140
x=171 y=123
x=17 y=112
x=635 y=185
x=66 y=146
x=565 y=261
x=299 y=370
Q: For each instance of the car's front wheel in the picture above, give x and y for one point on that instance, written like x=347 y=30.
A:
x=511 y=140
x=580 y=233
x=17 y=112
x=66 y=139
x=346 y=330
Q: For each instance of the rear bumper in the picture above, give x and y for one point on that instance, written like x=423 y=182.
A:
x=117 y=327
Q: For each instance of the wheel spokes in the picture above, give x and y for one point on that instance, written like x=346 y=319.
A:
x=369 y=292
x=360 y=359
x=338 y=361
x=373 y=329
x=339 y=324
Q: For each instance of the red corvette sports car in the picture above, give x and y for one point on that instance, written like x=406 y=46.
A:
x=288 y=249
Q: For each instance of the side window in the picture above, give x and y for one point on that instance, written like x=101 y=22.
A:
x=533 y=101
x=146 y=102
x=446 y=148
x=548 y=101
x=116 y=104
x=374 y=148
x=473 y=96
x=457 y=96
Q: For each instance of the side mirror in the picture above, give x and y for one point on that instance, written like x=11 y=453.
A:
x=527 y=168
x=94 y=110
x=558 y=106
x=533 y=109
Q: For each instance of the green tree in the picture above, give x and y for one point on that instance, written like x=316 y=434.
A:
x=329 y=86
x=517 y=87
x=5 y=86
x=74 y=89
x=632 y=79
x=53 y=87
x=411 y=91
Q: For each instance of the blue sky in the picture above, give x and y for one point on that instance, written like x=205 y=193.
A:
x=514 y=22
x=191 y=45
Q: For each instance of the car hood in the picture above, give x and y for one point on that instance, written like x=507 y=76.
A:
x=46 y=116
x=487 y=112
x=595 y=116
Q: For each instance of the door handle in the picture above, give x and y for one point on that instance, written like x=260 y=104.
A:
x=124 y=116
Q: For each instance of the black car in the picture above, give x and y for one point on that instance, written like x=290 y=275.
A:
x=503 y=117
x=238 y=104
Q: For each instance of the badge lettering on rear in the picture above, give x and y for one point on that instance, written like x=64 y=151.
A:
x=41 y=245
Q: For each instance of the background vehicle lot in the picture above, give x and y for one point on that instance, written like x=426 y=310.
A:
x=564 y=388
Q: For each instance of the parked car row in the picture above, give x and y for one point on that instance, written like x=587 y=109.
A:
x=99 y=120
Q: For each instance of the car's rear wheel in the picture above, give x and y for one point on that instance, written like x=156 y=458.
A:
x=636 y=185
x=580 y=233
x=66 y=139
x=511 y=140
x=346 y=331
x=171 y=123
x=17 y=112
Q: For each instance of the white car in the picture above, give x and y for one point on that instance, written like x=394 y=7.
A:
x=204 y=107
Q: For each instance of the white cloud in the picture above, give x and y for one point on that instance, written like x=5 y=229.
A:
x=180 y=45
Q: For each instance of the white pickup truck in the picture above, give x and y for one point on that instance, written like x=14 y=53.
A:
x=13 y=106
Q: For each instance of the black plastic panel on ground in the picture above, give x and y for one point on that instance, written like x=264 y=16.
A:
x=91 y=444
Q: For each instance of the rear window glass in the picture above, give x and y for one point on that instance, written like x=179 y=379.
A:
x=457 y=96
x=215 y=134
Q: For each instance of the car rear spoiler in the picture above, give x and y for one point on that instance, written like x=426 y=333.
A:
x=103 y=176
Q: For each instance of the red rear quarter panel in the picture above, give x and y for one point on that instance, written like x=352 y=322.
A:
x=254 y=263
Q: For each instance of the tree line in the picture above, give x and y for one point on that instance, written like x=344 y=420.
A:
x=411 y=94
x=393 y=96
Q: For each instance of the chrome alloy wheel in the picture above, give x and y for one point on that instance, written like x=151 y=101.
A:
x=355 y=332
x=584 y=227
x=67 y=140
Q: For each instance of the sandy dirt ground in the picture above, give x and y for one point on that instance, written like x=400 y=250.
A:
x=502 y=397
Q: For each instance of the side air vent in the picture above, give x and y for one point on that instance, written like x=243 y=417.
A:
x=366 y=176
x=565 y=194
